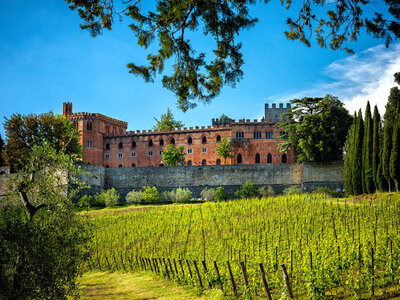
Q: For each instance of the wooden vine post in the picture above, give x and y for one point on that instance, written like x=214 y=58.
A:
x=231 y=276
x=264 y=280
x=287 y=281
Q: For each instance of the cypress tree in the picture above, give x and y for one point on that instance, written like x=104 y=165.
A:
x=376 y=149
x=357 y=155
x=1 y=151
x=367 y=177
x=394 y=166
x=348 y=162
x=389 y=118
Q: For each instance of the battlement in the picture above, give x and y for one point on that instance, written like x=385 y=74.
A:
x=274 y=113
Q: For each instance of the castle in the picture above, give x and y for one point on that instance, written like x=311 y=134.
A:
x=106 y=141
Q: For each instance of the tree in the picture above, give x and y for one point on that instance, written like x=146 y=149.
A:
x=174 y=156
x=397 y=77
x=223 y=118
x=348 y=158
x=389 y=119
x=1 y=151
x=23 y=132
x=225 y=149
x=317 y=129
x=394 y=166
x=376 y=149
x=167 y=121
x=201 y=75
x=357 y=155
x=367 y=177
x=43 y=241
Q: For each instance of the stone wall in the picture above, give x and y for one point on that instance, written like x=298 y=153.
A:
x=231 y=177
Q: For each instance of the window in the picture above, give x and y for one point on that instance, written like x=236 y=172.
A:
x=239 y=134
x=239 y=158
x=284 y=158
x=88 y=144
x=283 y=133
x=107 y=128
x=120 y=166
x=107 y=156
x=161 y=142
x=89 y=126
x=150 y=153
x=204 y=140
x=204 y=162
x=120 y=155
x=218 y=162
x=133 y=165
x=173 y=141
x=150 y=142
x=257 y=158
x=133 y=154
x=160 y=152
x=133 y=144
x=190 y=140
x=107 y=146
x=257 y=134
x=269 y=135
x=161 y=165
x=218 y=138
x=269 y=158
x=120 y=145
x=204 y=150
x=189 y=163
x=189 y=150
x=107 y=166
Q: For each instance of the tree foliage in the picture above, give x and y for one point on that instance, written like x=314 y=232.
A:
x=174 y=156
x=377 y=150
x=394 y=164
x=167 y=121
x=317 y=129
x=225 y=149
x=43 y=241
x=367 y=177
x=200 y=75
x=358 y=155
x=24 y=132
x=1 y=151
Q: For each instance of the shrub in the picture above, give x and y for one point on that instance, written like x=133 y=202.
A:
x=208 y=194
x=167 y=196
x=247 y=190
x=134 y=196
x=220 y=194
x=86 y=202
x=264 y=193
x=327 y=191
x=108 y=198
x=292 y=190
x=150 y=194
x=182 y=195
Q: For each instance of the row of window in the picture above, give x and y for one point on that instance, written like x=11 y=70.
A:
x=150 y=153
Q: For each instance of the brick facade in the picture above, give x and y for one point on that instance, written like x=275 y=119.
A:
x=107 y=143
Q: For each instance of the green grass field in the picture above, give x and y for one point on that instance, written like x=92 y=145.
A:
x=345 y=248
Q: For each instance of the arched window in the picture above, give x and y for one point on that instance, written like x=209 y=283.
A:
x=150 y=142
x=218 y=162
x=190 y=141
x=107 y=146
x=120 y=166
x=133 y=165
x=107 y=166
x=203 y=162
x=284 y=158
x=257 y=158
x=218 y=138
x=161 y=142
x=173 y=141
x=269 y=135
x=189 y=163
x=204 y=140
x=239 y=158
x=133 y=144
x=269 y=158
x=161 y=165
x=239 y=134
x=120 y=145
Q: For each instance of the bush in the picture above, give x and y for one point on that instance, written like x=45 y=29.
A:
x=220 y=194
x=327 y=191
x=264 y=193
x=86 y=202
x=208 y=194
x=292 y=190
x=134 y=197
x=150 y=194
x=167 y=196
x=247 y=190
x=182 y=195
x=108 y=198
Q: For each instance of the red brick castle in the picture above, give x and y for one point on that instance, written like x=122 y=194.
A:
x=106 y=141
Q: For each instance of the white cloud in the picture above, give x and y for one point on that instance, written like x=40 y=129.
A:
x=365 y=76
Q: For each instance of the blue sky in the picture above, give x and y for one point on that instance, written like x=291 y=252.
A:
x=46 y=59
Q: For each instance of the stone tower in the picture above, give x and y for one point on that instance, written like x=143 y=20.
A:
x=274 y=113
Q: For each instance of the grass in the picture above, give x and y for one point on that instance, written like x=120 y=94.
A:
x=138 y=285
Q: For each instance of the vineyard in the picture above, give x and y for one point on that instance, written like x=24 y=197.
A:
x=297 y=246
